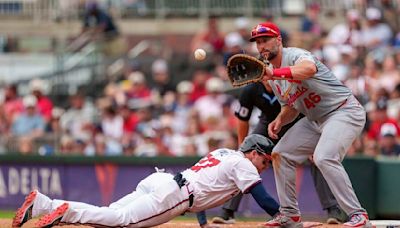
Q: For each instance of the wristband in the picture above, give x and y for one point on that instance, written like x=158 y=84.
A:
x=284 y=73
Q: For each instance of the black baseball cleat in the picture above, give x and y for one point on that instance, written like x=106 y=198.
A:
x=53 y=218
x=24 y=213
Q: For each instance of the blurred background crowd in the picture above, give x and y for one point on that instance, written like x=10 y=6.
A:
x=145 y=95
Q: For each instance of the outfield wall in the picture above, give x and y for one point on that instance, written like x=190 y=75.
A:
x=101 y=180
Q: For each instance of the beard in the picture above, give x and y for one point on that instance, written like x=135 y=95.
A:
x=272 y=55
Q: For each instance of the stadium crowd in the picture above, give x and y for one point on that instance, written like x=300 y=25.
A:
x=153 y=114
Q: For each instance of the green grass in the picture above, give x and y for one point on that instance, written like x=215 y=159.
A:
x=7 y=214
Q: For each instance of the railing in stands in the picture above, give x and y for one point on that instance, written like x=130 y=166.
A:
x=50 y=10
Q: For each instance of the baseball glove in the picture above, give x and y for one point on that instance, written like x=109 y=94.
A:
x=244 y=69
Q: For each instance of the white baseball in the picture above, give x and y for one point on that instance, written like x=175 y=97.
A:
x=200 y=54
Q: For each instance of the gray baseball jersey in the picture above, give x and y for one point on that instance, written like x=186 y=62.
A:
x=315 y=97
x=334 y=120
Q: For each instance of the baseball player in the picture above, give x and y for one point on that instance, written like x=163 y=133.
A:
x=333 y=119
x=260 y=95
x=160 y=197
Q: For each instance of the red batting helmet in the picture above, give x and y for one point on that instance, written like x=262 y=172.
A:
x=264 y=29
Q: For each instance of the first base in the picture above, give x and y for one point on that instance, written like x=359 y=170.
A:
x=386 y=223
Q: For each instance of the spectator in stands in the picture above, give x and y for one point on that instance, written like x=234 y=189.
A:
x=390 y=14
x=182 y=106
x=231 y=141
x=3 y=128
x=54 y=125
x=347 y=33
x=211 y=39
x=79 y=117
x=371 y=74
x=66 y=145
x=210 y=105
x=28 y=126
x=344 y=34
x=44 y=104
x=29 y=122
x=310 y=26
x=194 y=135
x=146 y=145
x=161 y=77
x=100 y=26
x=236 y=41
x=376 y=34
x=357 y=83
x=242 y=26
x=387 y=141
x=130 y=120
x=341 y=69
x=199 y=80
x=139 y=88
x=100 y=146
x=12 y=105
x=390 y=75
x=234 y=44
x=112 y=124
x=378 y=118
x=98 y=21
x=394 y=104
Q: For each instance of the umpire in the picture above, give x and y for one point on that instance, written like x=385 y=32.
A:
x=260 y=95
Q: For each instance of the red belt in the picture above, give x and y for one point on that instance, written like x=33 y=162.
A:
x=341 y=105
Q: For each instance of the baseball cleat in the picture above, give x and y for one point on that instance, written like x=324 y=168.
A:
x=281 y=221
x=221 y=220
x=53 y=218
x=336 y=215
x=358 y=220
x=24 y=213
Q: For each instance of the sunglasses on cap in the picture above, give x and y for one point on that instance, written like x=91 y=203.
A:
x=262 y=150
x=260 y=30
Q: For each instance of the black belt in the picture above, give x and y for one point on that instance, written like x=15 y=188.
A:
x=181 y=181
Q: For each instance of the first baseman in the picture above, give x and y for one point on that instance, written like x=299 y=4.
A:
x=333 y=119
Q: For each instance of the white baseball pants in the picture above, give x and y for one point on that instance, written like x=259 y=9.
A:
x=156 y=200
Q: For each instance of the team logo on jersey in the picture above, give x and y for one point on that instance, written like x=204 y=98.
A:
x=287 y=93
x=293 y=97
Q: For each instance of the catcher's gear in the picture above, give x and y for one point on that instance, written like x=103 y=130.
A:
x=244 y=69
x=257 y=142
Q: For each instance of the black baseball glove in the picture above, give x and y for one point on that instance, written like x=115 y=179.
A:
x=244 y=69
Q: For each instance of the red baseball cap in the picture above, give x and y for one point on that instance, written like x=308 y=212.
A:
x=264 y=29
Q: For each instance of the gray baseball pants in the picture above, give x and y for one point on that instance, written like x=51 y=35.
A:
x=325 y=195
x=328 y=140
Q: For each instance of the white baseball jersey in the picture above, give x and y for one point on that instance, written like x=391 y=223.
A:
x=314 y=97
x=220 y=176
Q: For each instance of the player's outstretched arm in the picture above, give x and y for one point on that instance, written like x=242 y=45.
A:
x=263 y=199
x=303 y=70
x=300 y=71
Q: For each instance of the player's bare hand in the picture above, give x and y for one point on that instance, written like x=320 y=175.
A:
x=274 y=128
x=268 y=74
